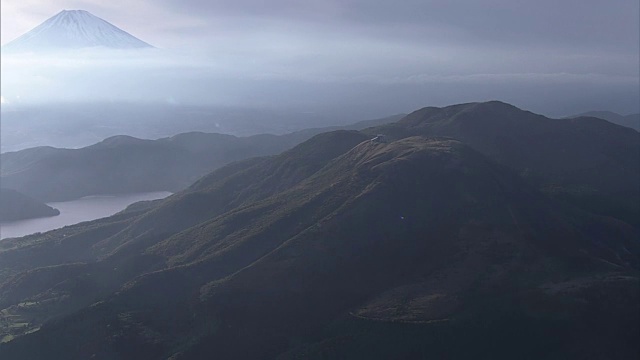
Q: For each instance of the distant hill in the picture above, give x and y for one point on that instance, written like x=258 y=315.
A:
x=630 y=121
x=78 y=125
x=17 y=206
x=74 y=29
x=409 y=246
x=124 y=164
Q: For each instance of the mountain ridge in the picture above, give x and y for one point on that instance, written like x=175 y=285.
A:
x=630 y=121
x=586 y=160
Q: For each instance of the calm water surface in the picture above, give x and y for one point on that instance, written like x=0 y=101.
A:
x=73 y=212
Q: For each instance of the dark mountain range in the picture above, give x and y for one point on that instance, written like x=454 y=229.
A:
x=630 y=121
x=123 y=164
x=586 y=160
x=74 y=29
x=342 y=247
x=17 y=206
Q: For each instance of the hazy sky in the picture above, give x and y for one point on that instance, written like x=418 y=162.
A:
x=411 y=52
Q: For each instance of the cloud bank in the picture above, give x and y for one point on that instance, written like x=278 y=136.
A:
x=383 y=55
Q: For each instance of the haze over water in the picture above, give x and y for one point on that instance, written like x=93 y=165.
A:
x=76 y=211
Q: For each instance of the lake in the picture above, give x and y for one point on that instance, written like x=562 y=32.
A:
x=73 y=212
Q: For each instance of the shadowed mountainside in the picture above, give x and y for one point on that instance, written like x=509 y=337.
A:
x=586 y=161
x=630 y=121
x=341 y=247
x=17 y=206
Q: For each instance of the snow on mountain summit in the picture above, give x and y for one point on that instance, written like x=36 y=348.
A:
x=74 y=29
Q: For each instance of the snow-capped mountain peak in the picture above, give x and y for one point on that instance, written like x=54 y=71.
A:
x=74 y=29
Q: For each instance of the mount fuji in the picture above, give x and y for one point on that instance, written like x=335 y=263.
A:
x=74 y=29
